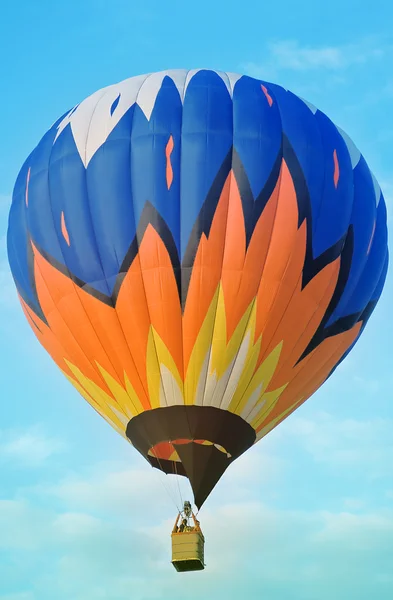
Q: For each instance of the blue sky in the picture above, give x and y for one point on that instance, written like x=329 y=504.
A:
x=308 y=513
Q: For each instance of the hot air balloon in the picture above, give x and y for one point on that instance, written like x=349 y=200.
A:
x=197 y=251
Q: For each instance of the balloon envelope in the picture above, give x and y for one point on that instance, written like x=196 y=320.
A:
x=197 y=251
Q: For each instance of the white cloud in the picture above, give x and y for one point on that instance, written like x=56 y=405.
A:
x=120 y=491
x=345 y=443
x=360 y=531
x=28 y=448
x=76 y=524
x=291 y=56
x=354 y=504
x=23 y=526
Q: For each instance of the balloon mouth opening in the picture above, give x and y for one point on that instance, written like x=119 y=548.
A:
x=168 y=450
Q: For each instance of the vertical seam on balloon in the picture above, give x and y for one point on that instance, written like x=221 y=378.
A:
x=222 y=261
x=180 y=250
x=365 y=262
x=164 y=312
x=11 y=240
x=352 y=207
x=232 y=175
x=315 y=221
x=200 y=273
x=137 y=242
x=26 y=281
x=180 y=225
x=256 y=295
x=382 y=275
x=200 y=277
x=89 y=213
x=318 y=215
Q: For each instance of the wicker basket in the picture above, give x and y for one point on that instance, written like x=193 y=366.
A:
x=188 y=550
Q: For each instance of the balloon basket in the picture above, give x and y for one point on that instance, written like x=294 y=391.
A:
x=188 y=551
